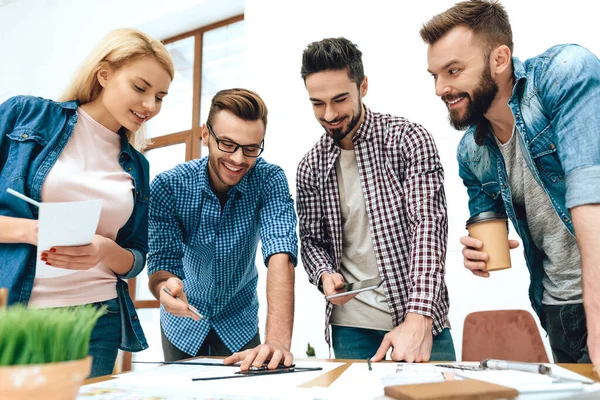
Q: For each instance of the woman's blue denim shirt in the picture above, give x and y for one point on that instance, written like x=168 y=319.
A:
x=33 y=133
x=556 y=106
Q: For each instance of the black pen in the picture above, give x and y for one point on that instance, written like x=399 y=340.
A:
x=369 y=364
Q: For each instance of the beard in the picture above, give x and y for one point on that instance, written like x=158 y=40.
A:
x=337 y=134
x=215 y=164
x=483 y=95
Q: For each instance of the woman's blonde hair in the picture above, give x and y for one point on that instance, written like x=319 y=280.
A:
x=118 y=48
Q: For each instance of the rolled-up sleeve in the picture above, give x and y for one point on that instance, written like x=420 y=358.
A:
x=570 y=93
x=139 y=260
x=278 y=218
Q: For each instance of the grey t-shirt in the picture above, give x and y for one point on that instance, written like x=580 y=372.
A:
x=368 y=309
x=562 y=263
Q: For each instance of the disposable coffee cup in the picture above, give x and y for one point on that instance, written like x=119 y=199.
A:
x=490 y=228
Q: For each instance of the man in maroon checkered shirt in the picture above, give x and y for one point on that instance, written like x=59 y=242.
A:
x=371 y=203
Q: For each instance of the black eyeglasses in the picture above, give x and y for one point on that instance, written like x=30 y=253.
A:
x=228 y=146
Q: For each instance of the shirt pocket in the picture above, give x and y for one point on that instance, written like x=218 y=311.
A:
x=492 y=189
x=25 y=145
x=545 y=156
x=469 y=158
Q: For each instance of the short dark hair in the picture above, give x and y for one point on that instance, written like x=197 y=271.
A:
x=242 y=103
x=486 y=18
x=333 y=54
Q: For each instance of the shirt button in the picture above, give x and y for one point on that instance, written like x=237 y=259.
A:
x=134 y=318
x=129 y=169
x=24 y=136
x=552 y=146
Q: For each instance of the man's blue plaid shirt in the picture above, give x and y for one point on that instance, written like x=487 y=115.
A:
x=213 y=250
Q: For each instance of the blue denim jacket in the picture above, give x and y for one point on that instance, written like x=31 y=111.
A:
x=33 y=133
x=556 y=105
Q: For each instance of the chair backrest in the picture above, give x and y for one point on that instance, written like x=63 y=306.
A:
x=502 y=334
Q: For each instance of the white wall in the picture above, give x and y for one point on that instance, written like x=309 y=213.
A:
x=394 y=56
x=42 y=42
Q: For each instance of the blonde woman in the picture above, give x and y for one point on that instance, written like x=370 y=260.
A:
x=85 y=147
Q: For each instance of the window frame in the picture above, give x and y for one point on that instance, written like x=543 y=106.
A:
x=191 y=137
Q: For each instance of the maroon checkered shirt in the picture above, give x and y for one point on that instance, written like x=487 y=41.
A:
x=402 y=180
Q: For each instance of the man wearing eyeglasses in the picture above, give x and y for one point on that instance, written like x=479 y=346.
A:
x=206 y=217
x=371 y=203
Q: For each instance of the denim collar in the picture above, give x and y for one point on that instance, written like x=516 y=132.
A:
x=520 y=75
x=69 y=105
x=125 y=146
x=520 y=78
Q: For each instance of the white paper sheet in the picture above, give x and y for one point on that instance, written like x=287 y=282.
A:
x=524 y=382
x=180 y=377
x=537 y=386
x=65 y=224
x=357 y=381
x=114 y=390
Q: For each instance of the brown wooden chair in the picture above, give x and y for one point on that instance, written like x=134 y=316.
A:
x=504 y=335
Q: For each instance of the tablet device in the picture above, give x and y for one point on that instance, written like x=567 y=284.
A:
x=357 y=287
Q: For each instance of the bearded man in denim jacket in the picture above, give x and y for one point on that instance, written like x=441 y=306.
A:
x=532 y=152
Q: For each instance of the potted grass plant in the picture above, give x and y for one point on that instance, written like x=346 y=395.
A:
x=44 y=352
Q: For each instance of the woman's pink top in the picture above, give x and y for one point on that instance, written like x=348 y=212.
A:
x=87 y=169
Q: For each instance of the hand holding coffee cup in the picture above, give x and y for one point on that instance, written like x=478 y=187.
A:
x=487 y=246
x=474 y=258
